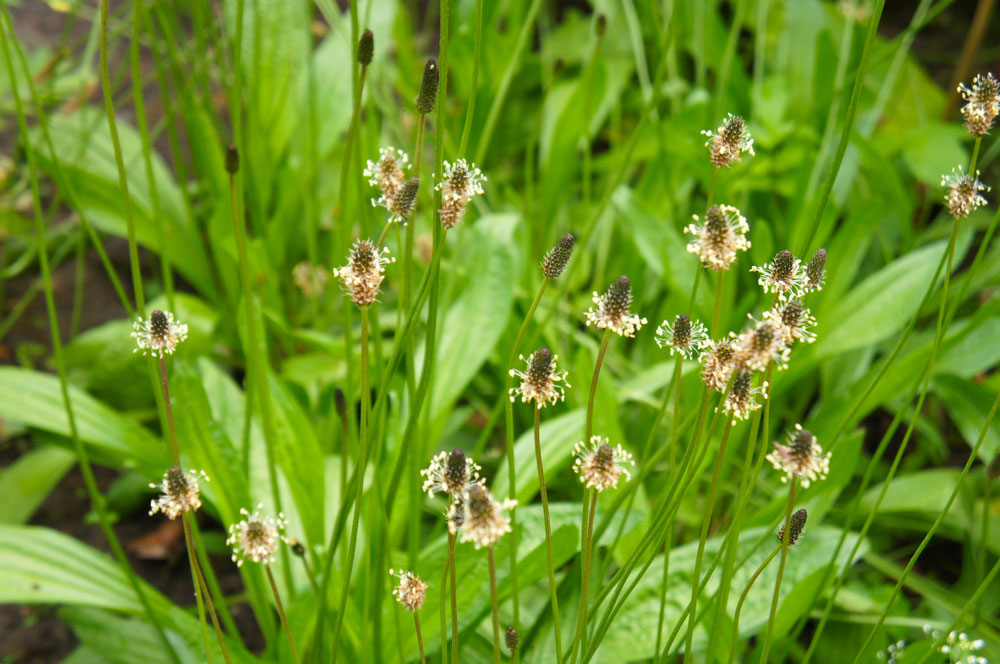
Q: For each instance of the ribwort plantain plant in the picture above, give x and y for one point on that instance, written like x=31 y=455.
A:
x=840 y=210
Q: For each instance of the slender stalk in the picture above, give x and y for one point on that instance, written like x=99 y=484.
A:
x=420 y=638
x=352 y=546
x=477 y=50
x=983 y=533
x=97 y=500
x=711 y=186
x=454 y=599
x=281 y=612
x=743 y=598
x=548 y=538
x=109 y=108
x=511 y=465
x=442 y=610
x=933 y=529
x=201 y=588
x=668 y=541
x=581 y=618
x=925 y=381
x=717 y=312
x=786 y=533
x=169 y=410
x=496 y=610
x=706 y=522
x=589 y=431
x=694 y=286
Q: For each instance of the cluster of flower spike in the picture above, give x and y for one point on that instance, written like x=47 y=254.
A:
x=964 y=191
x=363 y=274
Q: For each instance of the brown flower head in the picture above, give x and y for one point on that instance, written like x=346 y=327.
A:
x=181 y=492
x=599 y=465
x=815 y=272
x=612 y=310
x=717 y=363
x=742 y=398
x=963 y=195
x=511 y=639
x=484 y=520
x=363 y=274
x=461 y=181
x=255 y=538
x=159 y=335
x=729 y=141
x=761 y=344
x=796 y=321
x=717 y=240
x=783 y=275
x=541 y=381
x=801 y=457
x=682 y=337
x=450 y=473
x=388 y=174
x=411 y=591
x=983 y=103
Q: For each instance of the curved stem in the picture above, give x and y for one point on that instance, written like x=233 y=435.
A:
x=705 y=524
x=548 y=538
x=420 y=638
x=496 y=611
x=581 y=619
x=743 y=598
x=281 y=612
x=511 y=466
x=786 y=533
x=589 y=431
x=442 y=605
x=201 y=588
x=352 y=546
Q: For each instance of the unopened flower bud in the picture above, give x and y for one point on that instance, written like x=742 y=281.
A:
x=815 y=272
x=428 y=87
x=296 y=547
x=232 y=160
x=795 y=526
x=555 y=261
x=511 y=639
x=366 y=48
x=602 y=25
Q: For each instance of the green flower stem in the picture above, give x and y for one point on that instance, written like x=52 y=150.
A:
x=976 y=598
x=509 y=431
x=933 y=529
x=170 y=411
x=743 y=598
x=706 y=522
x=140 y=117
x=442 y=607
x=975 y=155
x=454 y=599
x=96 y=499
x=420 y=638
x=201 y=588
x=694 y=286
x=748 y=481
x=109 y=108
x=668 y=540
x=352 y=546
x=493 y=605
x=548 y=537
x=470 y=109
x=717 y=312
x=588 y=528
x=786 y=533
x=711 y=186
x=281 y=612
x=589 y=430
x=925 y=381
x=199 y=597
x=983 y=534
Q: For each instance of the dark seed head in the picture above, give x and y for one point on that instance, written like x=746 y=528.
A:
x=733 y=130
x=428 y=87
x=340 y=402
x=363 y=256
x=402 y=204
x=540 y=367
x=791 y=313
x=511 y=639
x=176 y=481
x=682 y=332
x=604 y=456
x=802 y=443
x=455 y=475
x=366 y=48
x=716 y=225
x=783 y=266
x=477 y=501
x=556 y=260
x=618 y=297
x=741 y=386
x=232 y=160
x=796 y=525
x=816 y=268
x=602 y=25
x=159 y=326
x=296 y=547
